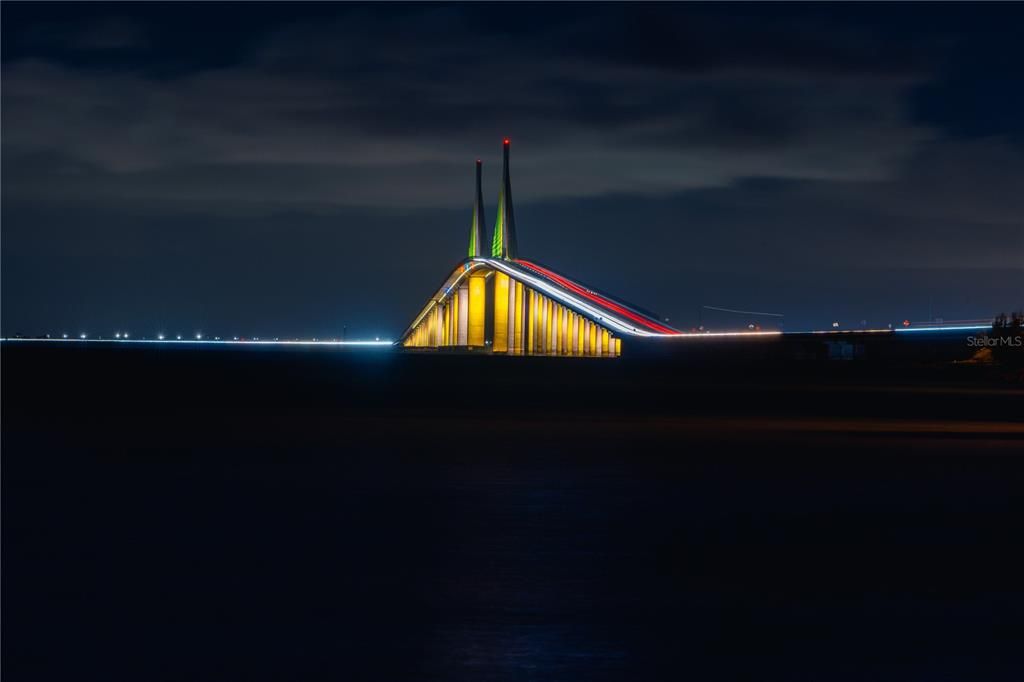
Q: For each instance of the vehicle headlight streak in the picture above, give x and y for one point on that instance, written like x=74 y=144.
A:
x=958 y=328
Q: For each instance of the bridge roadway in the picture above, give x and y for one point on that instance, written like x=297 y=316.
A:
x=616 y=316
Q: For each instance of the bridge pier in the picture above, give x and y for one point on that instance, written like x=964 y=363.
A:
x=477 y=310
x=501 y=313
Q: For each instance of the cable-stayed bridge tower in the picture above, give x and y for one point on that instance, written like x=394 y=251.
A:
x=476 y=230
x=503 y=243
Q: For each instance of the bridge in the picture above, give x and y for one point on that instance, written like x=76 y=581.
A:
x=500 y=303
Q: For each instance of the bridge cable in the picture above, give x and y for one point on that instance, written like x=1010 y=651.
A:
x=742 y=312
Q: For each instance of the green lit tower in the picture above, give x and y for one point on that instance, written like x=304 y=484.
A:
x=476 y=230
x=503 y=244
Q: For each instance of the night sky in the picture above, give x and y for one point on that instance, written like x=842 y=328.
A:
x=261 y=169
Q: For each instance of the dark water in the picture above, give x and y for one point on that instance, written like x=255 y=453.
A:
x=304 y=516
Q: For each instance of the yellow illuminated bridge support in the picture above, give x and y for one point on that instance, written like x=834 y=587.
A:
x=482 y=309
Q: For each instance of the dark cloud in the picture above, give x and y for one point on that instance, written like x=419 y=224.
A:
x=375 y=91
x=111 y=34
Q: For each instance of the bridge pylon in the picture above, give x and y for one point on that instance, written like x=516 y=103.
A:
x=503 y=242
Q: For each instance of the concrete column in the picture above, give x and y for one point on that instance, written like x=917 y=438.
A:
x=463 y=337
x=517 y=340
x=511 y=324
x=500 y=344
x=566 y=341
x=477 y=309
x=531 y=320
x=552 y=337
x=451 y=318
x=542 y=319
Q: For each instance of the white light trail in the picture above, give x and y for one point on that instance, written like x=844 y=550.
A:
x=965 y=328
